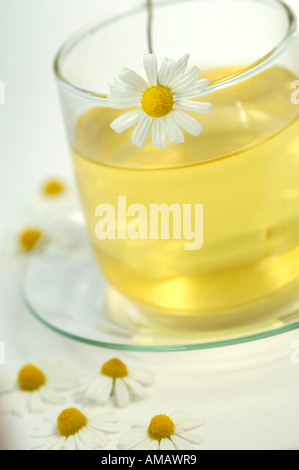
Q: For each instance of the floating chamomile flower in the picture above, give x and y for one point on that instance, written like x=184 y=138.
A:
x=160 y=101
x=75 y=429
x=35 y=386
x=115 y=379
x=163 y=432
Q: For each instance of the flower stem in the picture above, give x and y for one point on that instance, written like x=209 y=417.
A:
x=149 y=5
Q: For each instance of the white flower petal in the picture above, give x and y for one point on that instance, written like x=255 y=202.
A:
x=132 y=438
x=132 y=78
x=121 y=393
x=87 y=381
x=159 y=136
x=151 y=68
x=95 y=415
x=106 y=427
x=20 y=407
x=104 y=390
x=181 y=65
x=44 y=430
x=80 y=444
x=166 y=444
x=180 y=68
x=181 y=444
x=64 y=383
x=193 y=437
x=84 y=439
x=59 y=444
x=123 y=103
x=192 y=91
x=99 y=439
x=194 y=423
x=51 y=418
x=119 y=89
x=166 y=72
x=91 y=391
x=47 y=443
x=195 y=106
x=141 y=423
x=187 y=122
x=35 y=403
x=148 y=444
x=143 y=376
x=38 y=443
x=180 y=417
x=173 y=131
x=70 y=443
x=141 y=130
x=127 y=120
x=51 y=396
x=136 y=388
x=189 y=79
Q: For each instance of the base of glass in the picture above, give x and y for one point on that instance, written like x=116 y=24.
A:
x=66 y=291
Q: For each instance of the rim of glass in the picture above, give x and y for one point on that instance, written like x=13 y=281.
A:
x=239 y=75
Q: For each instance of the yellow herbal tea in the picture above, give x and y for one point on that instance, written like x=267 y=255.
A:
x=244 y=170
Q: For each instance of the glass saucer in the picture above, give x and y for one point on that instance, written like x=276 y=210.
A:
x=65 y=290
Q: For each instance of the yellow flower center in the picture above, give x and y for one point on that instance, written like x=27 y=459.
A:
x=52 y=188
x=161 y=427
x=157 y=101
x=115 y=369
x=29 y=237
x=70 y=421
x=31 y=378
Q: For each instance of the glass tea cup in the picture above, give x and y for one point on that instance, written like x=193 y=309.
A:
x=242 y=171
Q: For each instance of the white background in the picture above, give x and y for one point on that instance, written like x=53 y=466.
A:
x=249 y=393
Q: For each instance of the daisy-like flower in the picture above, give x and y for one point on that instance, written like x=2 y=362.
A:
x=160 y=101
x=163 y=432
x=75 y=429
x=115 y=379
x=53 y=217
x=35 y=386
x=33 y=236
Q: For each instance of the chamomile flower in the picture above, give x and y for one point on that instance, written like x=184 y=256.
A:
x=160 y=101
x=75 y=429
x=52 y=216
x=35 y=386
x=175 y=432
x=115 y=379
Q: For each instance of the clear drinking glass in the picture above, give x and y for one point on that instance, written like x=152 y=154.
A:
x=244 y=168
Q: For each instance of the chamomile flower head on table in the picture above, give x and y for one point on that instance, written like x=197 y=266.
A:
x=178 y=431
x=75 y=429
x=160 y=101
x=35 y=387
x=114 y=379
x=49 y=216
